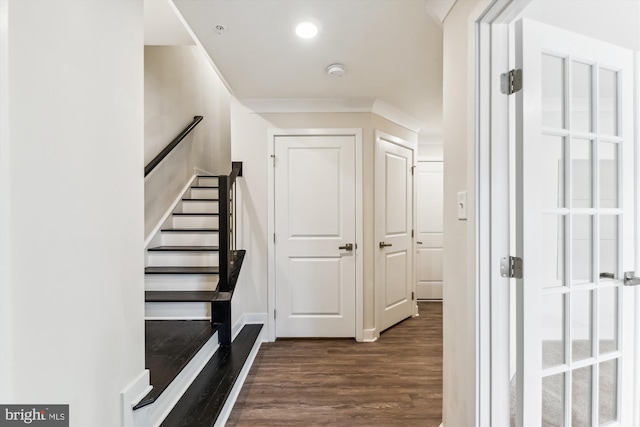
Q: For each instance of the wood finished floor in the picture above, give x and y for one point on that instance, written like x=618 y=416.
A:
x=396 y=381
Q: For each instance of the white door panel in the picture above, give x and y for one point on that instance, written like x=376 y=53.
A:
x=429 y=229
x=574 y=229
x=394 y=221
x=314 y=217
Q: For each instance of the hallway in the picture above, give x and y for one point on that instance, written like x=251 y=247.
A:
x=394 y=381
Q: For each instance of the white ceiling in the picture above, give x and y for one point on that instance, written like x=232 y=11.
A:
x=392 y=51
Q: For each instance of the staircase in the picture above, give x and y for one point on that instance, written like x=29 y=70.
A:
x=191 y=274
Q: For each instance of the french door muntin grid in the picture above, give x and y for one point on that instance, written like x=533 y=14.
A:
x=566 y=213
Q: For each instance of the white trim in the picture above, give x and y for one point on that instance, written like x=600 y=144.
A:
x=248 y=319
x=131 y=395
x=491 y=164
x=390 y=112
x=156 y=412
x=201 y=172
x=177 y=317
x=237 y=387
x=150 y=238
x=271 y=282
x=370 y=335
x=332 y=105
x=307 y=105
x=636 y=393
x=6 y=332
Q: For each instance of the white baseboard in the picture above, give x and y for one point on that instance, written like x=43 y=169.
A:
x=131 y=395
x=199 y=171
x=152 y=415
x=249 y=319
x=370 y=335
x=168 y=213
x=235 y=391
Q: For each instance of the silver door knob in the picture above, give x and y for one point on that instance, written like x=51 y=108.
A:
x=384 y=245
x=346 y=247
x=630 y=279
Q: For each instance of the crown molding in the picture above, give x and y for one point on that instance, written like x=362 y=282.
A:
x=331 y=105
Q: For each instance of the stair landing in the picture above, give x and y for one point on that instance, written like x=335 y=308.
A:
x=169 y=346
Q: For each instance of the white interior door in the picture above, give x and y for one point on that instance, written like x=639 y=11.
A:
x=575 y=229
x=315 y=268
x=429 y=228
x=394 y=223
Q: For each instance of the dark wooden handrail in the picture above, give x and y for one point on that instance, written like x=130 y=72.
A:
x=173 y=144
x=225 y=184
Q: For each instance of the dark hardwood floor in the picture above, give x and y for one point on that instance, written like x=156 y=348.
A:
x=396 y=381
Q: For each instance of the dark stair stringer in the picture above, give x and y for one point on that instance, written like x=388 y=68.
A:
x=203 y=401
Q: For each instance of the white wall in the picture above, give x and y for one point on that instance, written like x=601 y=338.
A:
x=613 y=21
x=180 y=83
x=72 y=195
x=249 y=134
x=459 y=294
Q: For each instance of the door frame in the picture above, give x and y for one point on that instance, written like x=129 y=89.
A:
x=379 y=306
x=495 y=113
x=271 y=216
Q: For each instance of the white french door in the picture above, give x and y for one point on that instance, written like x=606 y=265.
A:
x=394 y=223
x=315 y=231
x=574 y=229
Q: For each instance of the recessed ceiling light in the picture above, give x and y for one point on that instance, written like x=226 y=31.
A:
x=306 y=30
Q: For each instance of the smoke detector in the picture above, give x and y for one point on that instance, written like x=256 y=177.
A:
x=336 y=70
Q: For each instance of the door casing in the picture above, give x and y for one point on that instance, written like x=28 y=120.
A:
x=494 y=112
x=271 y=280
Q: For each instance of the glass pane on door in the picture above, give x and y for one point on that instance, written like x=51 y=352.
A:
x=581 y=380
x=608 y=102
x=553 y=91
x=581 y=100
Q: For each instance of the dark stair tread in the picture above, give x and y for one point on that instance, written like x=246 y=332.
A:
x=199 y=200
x=208 y=176
x=186 y=296
x=210 y=187
x=169 y=346
x=184 y=249
x=203 y=401
x=182 y=270
x=186 y=230
x=195 y=214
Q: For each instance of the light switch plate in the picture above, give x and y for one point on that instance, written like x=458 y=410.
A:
x=462 y=205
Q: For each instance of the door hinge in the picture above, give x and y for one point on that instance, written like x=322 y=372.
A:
x=511 y=82
x=511 y=267
x=274 y=238
x=274 y=315
x=273 y=157
x=412 y=233
x=413 y=296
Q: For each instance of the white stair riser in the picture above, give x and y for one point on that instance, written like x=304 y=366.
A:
x=198 y=207
x=207 y=181
x=177 y=310
x=183 y=259
x=204 y=193
x=190 y=239
x=181 y=282
x=182 y=221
